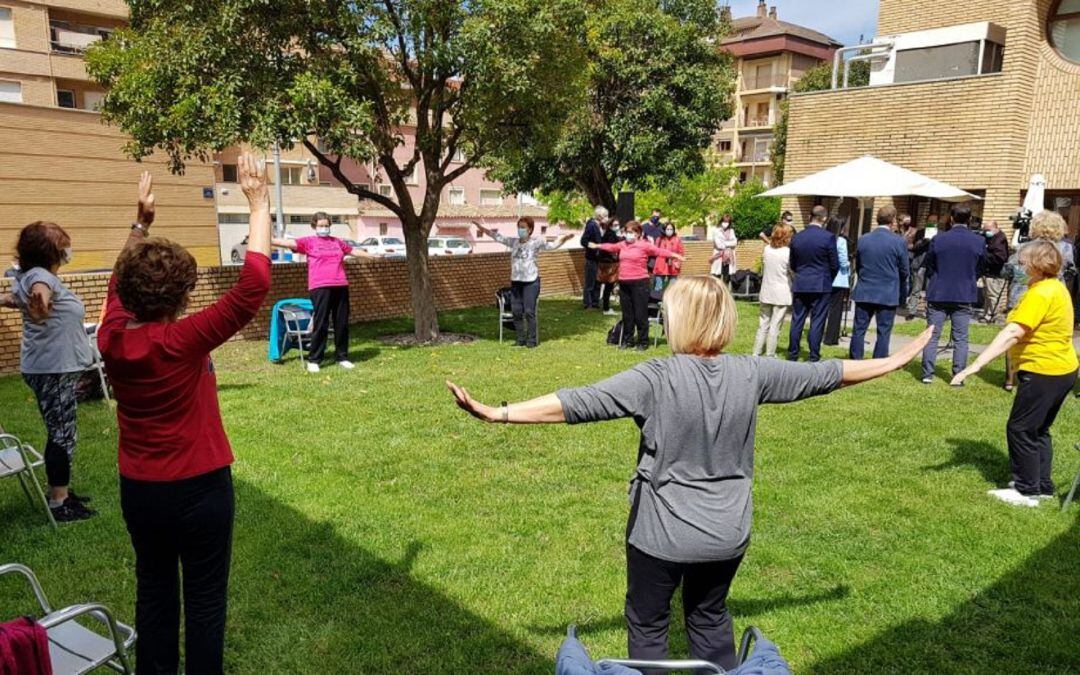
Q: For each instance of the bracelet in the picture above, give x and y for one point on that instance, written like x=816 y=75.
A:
x=138 y=226
x=505 y=412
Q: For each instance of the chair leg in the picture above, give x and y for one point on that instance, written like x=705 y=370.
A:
x=104 y=383
x=41 y=494
x=1072 y=492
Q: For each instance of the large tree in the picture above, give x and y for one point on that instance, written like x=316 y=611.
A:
x=492 y=78
x=658 y=87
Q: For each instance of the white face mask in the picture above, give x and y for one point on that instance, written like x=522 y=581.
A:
x=725 y=224
x=523 y=233
x=631 y=237
x=323 y=230
x=67 y=255
x=669 y=232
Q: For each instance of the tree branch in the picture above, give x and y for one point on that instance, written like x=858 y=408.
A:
x=361 y=192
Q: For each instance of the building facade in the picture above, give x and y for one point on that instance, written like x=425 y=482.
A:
x=981 y=94
x=771 y=55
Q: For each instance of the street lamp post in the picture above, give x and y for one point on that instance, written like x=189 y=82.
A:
x=279 y=227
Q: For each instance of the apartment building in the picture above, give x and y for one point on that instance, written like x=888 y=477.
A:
x=771 y=56
x=58 y=162
x=979 y=93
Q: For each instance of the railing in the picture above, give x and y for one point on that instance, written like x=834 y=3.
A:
x=68 y=39
x=764 y=81
x=757 y=122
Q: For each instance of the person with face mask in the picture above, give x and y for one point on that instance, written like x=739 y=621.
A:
x=724 y=243
x=524 y=275
x=55 y=352
x=667 y=269
x=329 y=288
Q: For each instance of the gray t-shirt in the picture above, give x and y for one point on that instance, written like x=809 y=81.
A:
x=696 y=454
x=58 y=344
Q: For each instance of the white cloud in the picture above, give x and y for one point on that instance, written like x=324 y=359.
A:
x=845 y=20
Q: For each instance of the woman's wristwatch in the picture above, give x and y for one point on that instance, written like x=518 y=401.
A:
x=140 y=227
x=505 y=409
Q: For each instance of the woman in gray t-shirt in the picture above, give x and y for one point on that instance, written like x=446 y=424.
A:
x=691 y=493
x=55 y=352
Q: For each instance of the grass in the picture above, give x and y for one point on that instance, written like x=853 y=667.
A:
x=381 y=530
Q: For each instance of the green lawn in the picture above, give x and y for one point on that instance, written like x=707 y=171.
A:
x=380 y=530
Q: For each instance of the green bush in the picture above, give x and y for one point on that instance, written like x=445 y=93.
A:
x=750 y=213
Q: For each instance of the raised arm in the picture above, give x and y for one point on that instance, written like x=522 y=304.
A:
x=252 y=173
x=145 y=211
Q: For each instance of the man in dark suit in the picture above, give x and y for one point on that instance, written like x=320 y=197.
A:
x=814 y=264
x=593 y=234
x=882 y=269
x=953 y=265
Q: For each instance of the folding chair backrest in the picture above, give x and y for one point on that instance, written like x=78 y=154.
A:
x=297 y=319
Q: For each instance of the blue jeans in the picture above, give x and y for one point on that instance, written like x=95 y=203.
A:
x=884 y=316
x=815 y=306
x=959 y=316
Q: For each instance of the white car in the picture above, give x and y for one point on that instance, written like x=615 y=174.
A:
x=383 y=245
x=448 y=246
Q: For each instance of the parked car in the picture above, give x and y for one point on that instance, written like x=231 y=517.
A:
x=239 y=251
x=448 y=246
x=383 y=245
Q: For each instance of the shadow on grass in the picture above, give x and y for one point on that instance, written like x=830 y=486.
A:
x=1027 y=617
x=986 y=457
x=303 y=598
x=740 y=608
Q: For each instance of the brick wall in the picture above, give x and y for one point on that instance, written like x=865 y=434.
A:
x=379 y=289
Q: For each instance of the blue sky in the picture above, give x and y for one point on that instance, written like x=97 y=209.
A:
x=844 y=20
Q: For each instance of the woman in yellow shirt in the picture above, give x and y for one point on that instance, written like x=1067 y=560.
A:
x=1038 y=337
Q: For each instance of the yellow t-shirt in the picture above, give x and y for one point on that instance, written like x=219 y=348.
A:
x=1046 y=309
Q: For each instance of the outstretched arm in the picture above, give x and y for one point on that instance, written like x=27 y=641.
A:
x=1003 y=342
x=856 y=372
x=39 y=304
x=481 y=230
x=284 y=243
x=559 y=242
x=361 y=253
x=543 y=410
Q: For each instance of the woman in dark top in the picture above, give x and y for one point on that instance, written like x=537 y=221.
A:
x=690 y=497
x=176 y=489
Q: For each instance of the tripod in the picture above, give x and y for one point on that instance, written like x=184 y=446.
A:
x=995 y=301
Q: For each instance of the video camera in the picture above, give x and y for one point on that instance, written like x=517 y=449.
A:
x=1022 y=224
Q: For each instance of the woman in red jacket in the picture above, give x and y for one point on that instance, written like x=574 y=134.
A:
x=175 y=482
x=667 y=269
x=634 y=252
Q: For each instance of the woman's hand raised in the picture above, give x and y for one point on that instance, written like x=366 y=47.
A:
x=253 y=180
x=147 y=205
x=465 y=402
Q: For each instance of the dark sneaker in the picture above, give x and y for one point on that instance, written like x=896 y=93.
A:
x=85 y=499
x=642 y=348
x=71 y=511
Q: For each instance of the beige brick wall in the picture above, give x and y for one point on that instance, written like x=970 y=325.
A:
x=379 y=289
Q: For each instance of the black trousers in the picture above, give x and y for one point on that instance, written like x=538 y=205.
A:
x=187 y=523
x=1031 y=449
x=815 y=306
x=524 y=295
x=835 y=321
x=330 y=301
x=605 y=296
x=634 y=300
x=590 y=298
x=650 y=585
x=55 y=394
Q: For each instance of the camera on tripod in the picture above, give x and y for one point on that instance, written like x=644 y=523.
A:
x=1022 y=224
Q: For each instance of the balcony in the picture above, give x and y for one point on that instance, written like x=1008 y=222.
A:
x=757 y=122
x=68 y=38
x=756 y=82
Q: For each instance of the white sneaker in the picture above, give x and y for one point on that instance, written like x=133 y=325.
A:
x=312 y=367
x=1042 y=498
x=1012 y=497
x=928 y=380
x=347 y=365
x=610 y=312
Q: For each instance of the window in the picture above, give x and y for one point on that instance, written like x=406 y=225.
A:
x=10 y=92
x=370 y=241
x=414 y=177
x=1063 y=29
x=458 y=156
x=456 y=196
x=383 y=229
x=386 y=190
x=490 y=198
x=7 y=28
x=92 y=100
x=65 y=98
x=228 y=173
x=291 y=175
x=724 y=146
x=952 y=60
x=233 y=218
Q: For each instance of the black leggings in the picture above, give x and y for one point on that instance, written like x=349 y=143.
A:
x=187 y=523
x=634 y=299
x=332 y=300
x=55 y=394
x=1031 y=449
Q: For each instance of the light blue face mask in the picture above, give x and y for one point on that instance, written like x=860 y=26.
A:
x=523 y=233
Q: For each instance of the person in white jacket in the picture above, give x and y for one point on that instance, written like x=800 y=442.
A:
x=775 y=296
x=724 y=243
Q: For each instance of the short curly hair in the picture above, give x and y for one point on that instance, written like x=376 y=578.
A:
x=41 y=244
x=154 y=279
x=1048 y=225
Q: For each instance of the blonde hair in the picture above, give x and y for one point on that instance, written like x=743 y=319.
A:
x=1041 y=256
x=781 y=235
x=700 y=316
x=1047 y=225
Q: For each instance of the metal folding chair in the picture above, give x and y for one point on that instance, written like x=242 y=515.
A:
x=750 y=636
x=98 y=363
x=656 y=321
x=73 y=648
x=19 y=460
x=297 y=327
x=1072 y=492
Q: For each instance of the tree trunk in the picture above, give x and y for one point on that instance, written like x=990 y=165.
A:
x=597 y=188
x=421 y=292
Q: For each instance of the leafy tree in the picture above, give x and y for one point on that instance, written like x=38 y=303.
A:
x=657 y=89
x=691 y=200
x=818 y=78
x=750 y=213
x=494 y=78
x=567 y=207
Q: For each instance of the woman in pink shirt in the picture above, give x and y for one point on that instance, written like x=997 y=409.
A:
x=329 y=288
x=634 y=253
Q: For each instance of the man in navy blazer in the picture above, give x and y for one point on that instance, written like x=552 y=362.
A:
x=953 y=265
x=814 y=264
x=882 y=269
x=593 y=234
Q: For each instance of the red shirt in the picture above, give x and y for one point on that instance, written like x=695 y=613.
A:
x=634 y=258
x=164 y=381
x=669 y=267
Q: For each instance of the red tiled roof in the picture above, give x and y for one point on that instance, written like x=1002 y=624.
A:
x=755 y=27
